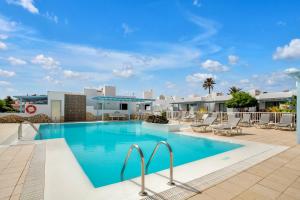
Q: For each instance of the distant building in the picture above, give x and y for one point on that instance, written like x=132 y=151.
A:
x=70 y=106
x=215 y=102
x=149 y=94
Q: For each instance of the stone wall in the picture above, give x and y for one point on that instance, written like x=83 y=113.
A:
x=39 y=118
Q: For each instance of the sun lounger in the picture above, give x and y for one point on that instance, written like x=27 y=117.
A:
x=264 y=121
x=202 y=127
x=228 y=128
x=246 y=120
x=189 y=117
x=204 y=116
x=286 y=122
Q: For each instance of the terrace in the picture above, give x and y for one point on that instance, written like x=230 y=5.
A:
x=276 y=178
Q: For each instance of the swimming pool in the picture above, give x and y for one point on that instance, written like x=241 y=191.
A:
x=100 y=148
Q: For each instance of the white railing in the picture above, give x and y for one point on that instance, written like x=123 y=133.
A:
x=223 y=116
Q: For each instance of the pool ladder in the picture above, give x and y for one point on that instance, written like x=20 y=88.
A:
x=135 y=146
x=20 y=130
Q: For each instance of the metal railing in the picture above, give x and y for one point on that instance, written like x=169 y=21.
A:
x=20 y=130
x=171 y=182
x=135 y=146
x=223 y=116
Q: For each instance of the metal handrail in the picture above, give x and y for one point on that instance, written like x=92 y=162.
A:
x=20 y=131
x=142 y=192
x=171 y=182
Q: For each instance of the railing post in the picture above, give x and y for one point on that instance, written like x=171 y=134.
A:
x=171 y=182
x=142 y=192
x=20 y=131
x=221 y=115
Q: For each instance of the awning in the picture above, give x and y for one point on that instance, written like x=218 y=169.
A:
x=121 y=99
x=32 y=98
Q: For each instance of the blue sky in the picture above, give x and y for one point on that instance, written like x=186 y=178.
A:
x=166 y=45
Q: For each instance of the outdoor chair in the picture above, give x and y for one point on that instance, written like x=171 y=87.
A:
x=202 y=127
x=264 y=121
x=228 y=128
x=286 y=122
x=189 y=117
x=246 y=120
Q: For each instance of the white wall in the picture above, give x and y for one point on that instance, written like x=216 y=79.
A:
x=53 y=95
x=109 y=91
x=99 y=112
x=42 y=109
x=92 y=92
x=148 y=94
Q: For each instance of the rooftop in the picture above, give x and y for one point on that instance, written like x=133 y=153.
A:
x=121 y=99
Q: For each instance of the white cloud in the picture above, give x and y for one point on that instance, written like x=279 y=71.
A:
x=198 y=77
x=71 y=74
x=4 y=83
x=209 y=28
x=197 y=3
x=7 y=25
x=232 y=59
x=244 y=81
x=26 y=4
x=214 y=66
x=255 y=76
x=52 y=80
x=46 y=62
x=125 y=72
x=289 y=51
x=166 y=57
x=170 y=85
x=127 y=29
x=3 y=36
x=276 y=78
x=224 y=83
x=2 y=45
x=7 y=73
x=16 y=61
x=51 y=17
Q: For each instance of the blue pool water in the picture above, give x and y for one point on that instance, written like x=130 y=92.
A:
x=100 y=148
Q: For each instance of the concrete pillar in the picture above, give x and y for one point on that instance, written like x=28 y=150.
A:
x=295 y=73
x=298 y=111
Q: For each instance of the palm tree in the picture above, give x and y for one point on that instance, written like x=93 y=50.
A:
x=209 y=84
x=234 y=89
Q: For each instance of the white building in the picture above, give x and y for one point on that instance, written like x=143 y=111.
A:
x=148 y=94
x=215 y=102
x=69 y=106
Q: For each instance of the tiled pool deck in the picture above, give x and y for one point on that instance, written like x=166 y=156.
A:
x=274 y=178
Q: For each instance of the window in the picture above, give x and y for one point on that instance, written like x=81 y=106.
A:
x=147 y=107
x=98 y=106
x=123 y=106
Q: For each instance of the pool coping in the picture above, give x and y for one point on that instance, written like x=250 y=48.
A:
x=34 y=183
x=195 y=186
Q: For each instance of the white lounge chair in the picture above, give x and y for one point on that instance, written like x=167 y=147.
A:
x=202 y=127
x=264 y=121
x=246 y=120
x=286 y=122
x=189 y=117
x=228 y=128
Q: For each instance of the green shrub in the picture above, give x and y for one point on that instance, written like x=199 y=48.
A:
x=241 y=100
